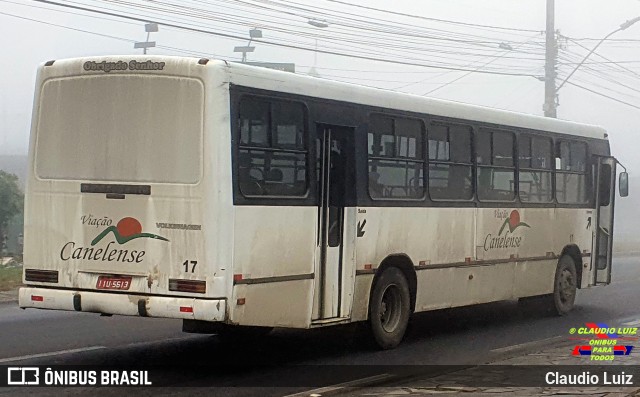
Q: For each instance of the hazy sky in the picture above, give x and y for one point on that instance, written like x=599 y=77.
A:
x=28 y=37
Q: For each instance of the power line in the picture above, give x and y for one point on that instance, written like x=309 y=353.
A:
x=180 y=50
x=598 y=63
x=392 y=44
x=466 y=74
x=432 y=19
x=369 y=58
x=208 y=32
x=338 y=16
x=607 y=59
x=594 y=39
x=603 y=95
x=510 y=67
x=201 y=13
x=605 y=76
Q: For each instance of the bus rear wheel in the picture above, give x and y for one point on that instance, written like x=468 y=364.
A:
x=565 y=285
x=389 y=308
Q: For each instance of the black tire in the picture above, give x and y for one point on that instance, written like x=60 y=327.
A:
x=389 y=308
x=565 y=286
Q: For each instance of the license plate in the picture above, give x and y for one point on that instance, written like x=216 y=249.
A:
x=108 y=282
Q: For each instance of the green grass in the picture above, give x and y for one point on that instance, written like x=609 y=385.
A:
x=10 y=278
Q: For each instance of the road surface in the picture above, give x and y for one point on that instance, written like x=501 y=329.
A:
x=468 y=335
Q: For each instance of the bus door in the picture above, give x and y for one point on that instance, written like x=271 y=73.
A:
x=336 y=223
x=605 y=182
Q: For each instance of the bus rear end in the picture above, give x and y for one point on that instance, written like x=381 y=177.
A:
x=114 y=201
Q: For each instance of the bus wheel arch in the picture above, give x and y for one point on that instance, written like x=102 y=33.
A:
x=404 y=263
x=574 y=252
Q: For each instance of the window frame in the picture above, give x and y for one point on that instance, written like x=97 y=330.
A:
x=514 y=147
x=550 y=169
x=588 y=199
x=471 y=164
x=420 y=146
x=269 y=146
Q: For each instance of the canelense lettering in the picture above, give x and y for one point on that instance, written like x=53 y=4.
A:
x=107 y=254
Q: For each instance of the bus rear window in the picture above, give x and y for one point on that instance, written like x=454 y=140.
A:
x=127 y=128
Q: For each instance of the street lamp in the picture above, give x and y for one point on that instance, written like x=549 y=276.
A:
x=149 y=27
x=253 y=34
x=624 y=26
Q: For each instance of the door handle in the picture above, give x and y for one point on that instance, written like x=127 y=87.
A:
x=605 y=231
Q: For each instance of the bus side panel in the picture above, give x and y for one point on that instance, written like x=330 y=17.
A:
x=218 y=207
x=434 y=235
x=534 y=277
x=430 y=237
x=281 y=304
x=511 y=258
x=274 y=252
x=360 y=308
x=509 y=233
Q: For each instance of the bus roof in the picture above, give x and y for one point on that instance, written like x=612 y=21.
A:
x=268 y=79
x=287 y=82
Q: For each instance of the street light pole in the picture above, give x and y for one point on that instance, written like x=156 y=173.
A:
x=624 y=26
x=321 y=25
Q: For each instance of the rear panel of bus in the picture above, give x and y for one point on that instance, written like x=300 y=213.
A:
x=116 y=216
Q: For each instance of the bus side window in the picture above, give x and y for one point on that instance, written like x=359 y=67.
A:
x=450 y=162
x=396 y=161
x=250 y=178
x=605 y=185
x=272 y=148
x=534 y=159
x=571 y=175
x=496 y=166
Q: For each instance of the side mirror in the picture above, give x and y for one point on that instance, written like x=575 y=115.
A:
x=623 y=184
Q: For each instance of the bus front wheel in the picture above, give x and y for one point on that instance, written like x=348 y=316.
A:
x=565 y=285
x=389 y=308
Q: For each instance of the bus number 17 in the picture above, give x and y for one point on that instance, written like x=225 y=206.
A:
x=186 y=265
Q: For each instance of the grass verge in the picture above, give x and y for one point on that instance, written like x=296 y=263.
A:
x=10 y=278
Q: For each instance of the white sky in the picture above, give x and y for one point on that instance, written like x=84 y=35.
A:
x=26 y=43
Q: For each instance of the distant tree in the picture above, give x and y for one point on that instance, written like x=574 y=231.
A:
x=11 y=202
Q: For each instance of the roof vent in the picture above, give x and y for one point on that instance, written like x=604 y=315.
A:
x=49 y=63
x=203 y=61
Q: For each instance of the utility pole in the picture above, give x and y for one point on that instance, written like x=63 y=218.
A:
x=551 y=58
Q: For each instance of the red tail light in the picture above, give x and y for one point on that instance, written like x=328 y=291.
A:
x=196 y=286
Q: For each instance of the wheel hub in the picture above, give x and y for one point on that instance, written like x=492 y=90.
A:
x=566 y=286
x=390 y=308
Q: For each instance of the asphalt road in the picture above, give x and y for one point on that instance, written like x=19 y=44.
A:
x=468 y=335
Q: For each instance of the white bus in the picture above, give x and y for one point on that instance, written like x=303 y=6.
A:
x=239 y=198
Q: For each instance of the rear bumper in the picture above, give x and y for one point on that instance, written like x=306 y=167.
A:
x=123 y=304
